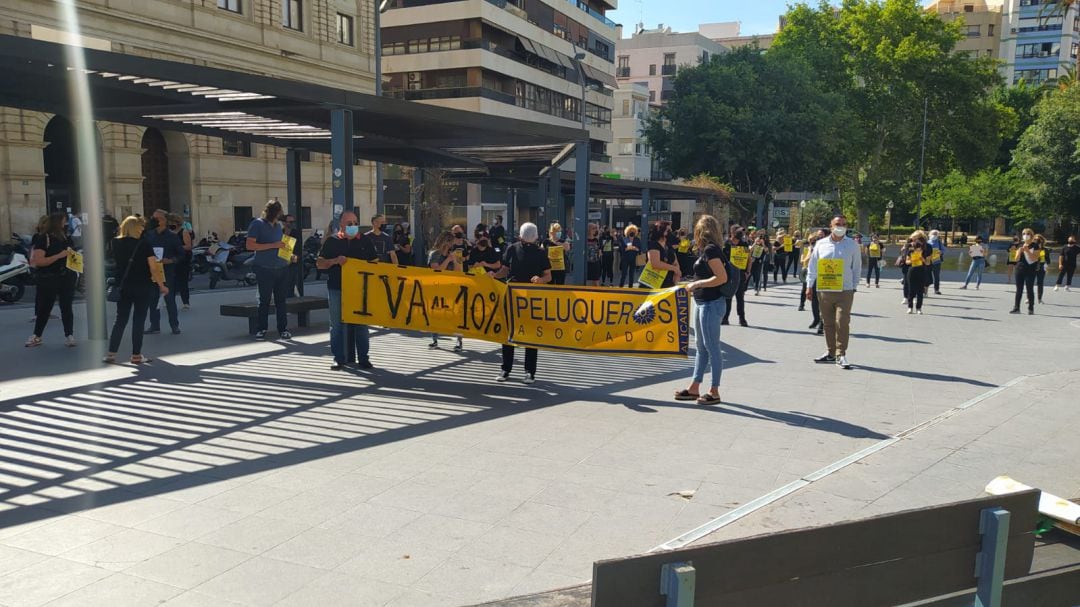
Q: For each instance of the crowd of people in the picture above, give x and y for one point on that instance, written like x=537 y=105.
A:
x=153 y=260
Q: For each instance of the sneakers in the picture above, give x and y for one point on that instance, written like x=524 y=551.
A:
x=1068 y=289
x=963 y=288
x=69 y=341
x=842 y=362
x=337 y=367
x=434 y=345
x=285 y=335
x=458 y=347
x=903 y=301
x=1031 y=311
x=919 y=311
x=151 y=331
x=814 y=324
x=33 y=342
x=176 y=331
x=186 y=307
x=825 y=358
x=743 y=323
x=260 y=334
x=366 y=365
x=504 y=376
x=1056 y=288
x=529 y=378
x=877 y=285
x=910 y=310
x=1014 y=311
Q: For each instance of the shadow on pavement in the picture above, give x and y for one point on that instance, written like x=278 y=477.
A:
x=927 y=376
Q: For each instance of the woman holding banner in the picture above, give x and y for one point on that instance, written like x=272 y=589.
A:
x=526 y=262
x=709 y=307
x=443 y=259
x=631 y=248
x=661 y=271
x=919 y=273
x=557 y=249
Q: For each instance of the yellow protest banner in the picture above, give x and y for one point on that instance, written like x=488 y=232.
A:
x=557 y=257
x=788 y=244
x=830 y=275
x=75 y=262
x=600 y=320
x=684 y=246
x=632 y=322
x=157 y=271
x=651 y=277
x=916 y=259
x=875 y=250
x=290 y=245
x=740 y=257
x=1042 y=255
x=478 y=270
x=935 y=256
x=405 y=297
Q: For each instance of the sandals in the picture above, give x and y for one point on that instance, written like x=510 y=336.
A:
x=139 y=359
x=686 y=395
x=709 y=399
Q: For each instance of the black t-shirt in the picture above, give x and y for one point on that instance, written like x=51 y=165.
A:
x=382 y=242
x=1068 y=255
x=355 y=248
x=137 y=251
x=52 y=245
x=702 y=271
x=478 y=255
x=498 y=236
x=667 y=255
x=525 y=261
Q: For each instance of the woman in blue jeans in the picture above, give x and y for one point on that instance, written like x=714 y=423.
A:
x=978 y=261
x=709 y=307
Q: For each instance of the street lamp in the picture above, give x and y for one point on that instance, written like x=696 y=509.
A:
x=888 y=219
x=802 y=210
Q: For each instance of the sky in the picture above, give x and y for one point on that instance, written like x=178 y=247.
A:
x=757 y=16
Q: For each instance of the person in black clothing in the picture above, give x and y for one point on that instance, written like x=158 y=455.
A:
x=183 y=265
x=483 y=255
x=737 y=240
x=609 y=246
x=1026 y=263
x=159 y=237
x=593 y=256
x=557 y=248
x=525 y=262
x=403 y=245
x=1040 y=266
x=137 y=288
x=780 y=256
x=709 y=305
x=662 y=255
x=1067 y=263
x=498 y=235
x=919 y=275
x=759 y=270
x=630 y=248
x=346 y=244
x=290 y=227
x=49 y=250
x=459 y=247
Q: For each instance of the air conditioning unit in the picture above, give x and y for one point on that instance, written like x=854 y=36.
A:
x=414 y=76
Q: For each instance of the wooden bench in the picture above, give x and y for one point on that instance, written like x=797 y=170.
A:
x=966 y=549
x=301 y=306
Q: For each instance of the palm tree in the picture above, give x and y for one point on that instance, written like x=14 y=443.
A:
x=1057 y=8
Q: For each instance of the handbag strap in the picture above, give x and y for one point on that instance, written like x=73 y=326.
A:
x=131 y=260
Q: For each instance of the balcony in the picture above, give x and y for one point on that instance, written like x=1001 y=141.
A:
x=593 y=13
x=668 y=70
x=622 y=72
x=452 y=93
x=602 y=158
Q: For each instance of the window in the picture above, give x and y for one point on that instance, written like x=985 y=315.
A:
x=667 y=95
x=626 y=147
x=624 y=67
x=969 y=8
x=292 y=14
x=232 y=6
x=625 y=107
x=704 y=56
x=990 y=30
x=669 y=58
x=1040 y=24
x=1075 y=51
x=974 y=31
x=345 y=30
x=1038 y=49
x=234 y=146
x=652 y=96
x=669 y=65
x=652 y=69
x=242 y=217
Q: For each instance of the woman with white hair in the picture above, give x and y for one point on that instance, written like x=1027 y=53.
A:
x=937 y=255
x=524 y=261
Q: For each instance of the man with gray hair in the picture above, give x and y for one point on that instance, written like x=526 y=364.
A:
x=524 y=261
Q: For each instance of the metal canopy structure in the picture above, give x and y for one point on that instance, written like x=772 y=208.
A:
x=202 y=100
x=599 y=186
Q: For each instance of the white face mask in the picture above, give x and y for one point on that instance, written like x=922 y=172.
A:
x=839 y=231
x=1027 y=237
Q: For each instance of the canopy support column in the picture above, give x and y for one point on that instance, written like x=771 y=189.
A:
x=646 y=210
x=295 y=207
x=341 y=161
x=581 y=212
x=511 y=211
x=416 y=190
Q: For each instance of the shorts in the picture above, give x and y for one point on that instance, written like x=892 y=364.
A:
x=1010 y=263
x=593 y=271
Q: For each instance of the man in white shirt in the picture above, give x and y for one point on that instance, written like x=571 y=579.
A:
x=834 y=269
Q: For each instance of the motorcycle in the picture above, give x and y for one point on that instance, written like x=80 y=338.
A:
x=14 y=273
x=311 y=254
x=228 y=263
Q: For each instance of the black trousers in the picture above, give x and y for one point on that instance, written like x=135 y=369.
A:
x=607 y=268
x=760 y=275
x=1040 y=278
x=740 y=301
x=627 y=270
x=873 y=269
x=1025 y=279
x=508 y=359
x=133 y=304
x=1066 y=274
x=780 y=263
x=182 y=281
x=50 y=288
x=170 y=303
x=815 y=305
x=793 y=261
x=558 y=277
x=915 y=286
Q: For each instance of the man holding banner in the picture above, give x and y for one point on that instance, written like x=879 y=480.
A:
x=524 y=261
x=834 y=271
x=346 y=244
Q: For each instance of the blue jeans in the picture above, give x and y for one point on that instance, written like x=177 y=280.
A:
x=339 y=332
x=975 y=268
x=707 y=316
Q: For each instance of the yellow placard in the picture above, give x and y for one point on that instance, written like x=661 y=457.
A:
x=157 y=271
x=1014 y=253
x=684 y=246
x=290 y=245
x=75 y=262
x=830 y=275
x=557 y=257
x=459 y=259
x=935 y=256
x=875 y=250
x=478 y=270
x=740 y=257
x=1042 y=255
x=651 y=277
x=788 y=244
x=631 y=322
x=916 y=258
x=758 y=250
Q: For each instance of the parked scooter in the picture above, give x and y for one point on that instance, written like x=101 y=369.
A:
x=14 y=275
x=312 y=246
x=226 y=263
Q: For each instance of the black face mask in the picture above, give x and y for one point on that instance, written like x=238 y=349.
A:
x=459 y=236
x=153 y=224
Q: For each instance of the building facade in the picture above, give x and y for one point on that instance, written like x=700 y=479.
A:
x=982 y=23
x=653 y=57
x=730 y=35
x=219 y=184
x=1040 y=42
x=631 y=156
x=513 y=58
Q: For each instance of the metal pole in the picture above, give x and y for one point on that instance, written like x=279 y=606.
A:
x=415 y=216
x=922 y=163
x=380 y=201
x=581 y=212
x=341 y=161
x=295 y=202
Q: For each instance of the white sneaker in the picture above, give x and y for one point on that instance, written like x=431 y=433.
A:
x=505 y=375
x=528 y=379
x=903 y=301
x=841 y=361
x=1068 y=289
x=919 y=312
x=910 y=310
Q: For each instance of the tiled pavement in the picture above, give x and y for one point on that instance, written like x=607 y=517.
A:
x=230 y=472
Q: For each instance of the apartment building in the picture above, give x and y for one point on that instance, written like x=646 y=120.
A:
x=654 y=56
x=514 y=58
x=219 y=184
x=1040 y=41
x=982 y=23
x=631 y=156
x=730 y=34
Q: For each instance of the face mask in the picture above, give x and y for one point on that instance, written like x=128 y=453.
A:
x=153 y=223
x=839 y=231
x=558 y=234
x=1027 y=237
x=457 y=235
x=352 y=231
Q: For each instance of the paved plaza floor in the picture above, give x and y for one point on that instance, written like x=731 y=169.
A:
x=233 y=472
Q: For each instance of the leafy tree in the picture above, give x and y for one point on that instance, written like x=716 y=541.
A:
x=988 y=193
x=816 y=214
x=1017 y=107
x=1048 y=155
x=759 y=121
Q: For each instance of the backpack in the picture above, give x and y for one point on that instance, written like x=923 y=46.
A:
x=734 y=280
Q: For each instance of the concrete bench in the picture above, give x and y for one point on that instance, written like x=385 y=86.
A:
x=301 y=306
